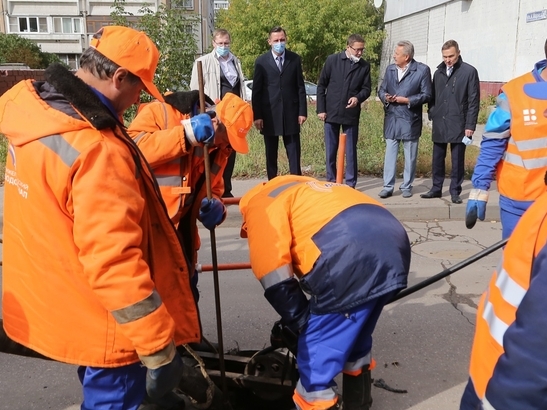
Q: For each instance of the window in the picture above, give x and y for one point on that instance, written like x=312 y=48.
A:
x=182 y=4
x=72 y=60
x=28 y=25
x=67 y=25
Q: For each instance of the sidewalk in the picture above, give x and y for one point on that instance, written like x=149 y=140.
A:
x=405 y=209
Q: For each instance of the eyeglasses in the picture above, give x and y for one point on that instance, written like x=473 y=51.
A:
x=357 y=50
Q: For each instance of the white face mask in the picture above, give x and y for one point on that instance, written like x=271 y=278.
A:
x=353 y=58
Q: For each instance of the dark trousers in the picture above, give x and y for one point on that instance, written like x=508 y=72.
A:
x=457 y=153
x=292 y=147
x=332 y=139
x=227 y=175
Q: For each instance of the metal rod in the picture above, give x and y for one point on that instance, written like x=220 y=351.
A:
x=231 y=201
x=207 y=161
x=224 y=266
x=340 y=159
x=449 y=271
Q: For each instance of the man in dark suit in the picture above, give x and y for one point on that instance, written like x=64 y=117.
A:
x=344 y=84
x=279 y=101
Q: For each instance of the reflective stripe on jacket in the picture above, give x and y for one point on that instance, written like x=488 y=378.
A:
x=521 y=171
x=93 y=272
x=508 y=366
x=345 y=247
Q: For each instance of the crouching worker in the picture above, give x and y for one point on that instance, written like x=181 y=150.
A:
x=349 y=254
x=172 y=136
x=93 y=272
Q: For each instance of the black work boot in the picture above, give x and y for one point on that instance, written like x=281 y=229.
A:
x=356 y=391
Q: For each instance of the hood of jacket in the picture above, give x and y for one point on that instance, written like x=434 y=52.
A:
x=33 y=109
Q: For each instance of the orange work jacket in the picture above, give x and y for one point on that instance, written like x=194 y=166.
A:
x=93 y=273
x=178 y=167
x=520 y=172
x=510 y=323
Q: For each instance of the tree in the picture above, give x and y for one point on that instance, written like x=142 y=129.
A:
x=17 y=49
x=171 y=29
x=314 y=29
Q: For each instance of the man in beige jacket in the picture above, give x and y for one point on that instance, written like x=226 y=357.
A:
x=222 y=74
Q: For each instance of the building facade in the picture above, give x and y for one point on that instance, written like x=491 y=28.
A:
x=65 y=27
x=501 y=38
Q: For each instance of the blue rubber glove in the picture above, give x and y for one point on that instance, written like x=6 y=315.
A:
x=211 y=213
x=162 y=381
x=476 y=207
x=199 y=129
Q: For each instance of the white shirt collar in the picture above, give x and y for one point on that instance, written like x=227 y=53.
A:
x=275 y=55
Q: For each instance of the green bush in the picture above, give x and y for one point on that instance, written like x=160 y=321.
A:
x=3 y=155
x=485 y=108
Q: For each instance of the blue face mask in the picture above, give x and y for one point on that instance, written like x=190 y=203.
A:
x=279 y=48
x=223 y=51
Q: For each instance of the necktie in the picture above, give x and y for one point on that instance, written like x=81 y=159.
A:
x=279 y=63
x=449 y=71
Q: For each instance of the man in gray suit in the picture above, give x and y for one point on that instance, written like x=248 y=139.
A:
x=279 y=101
x=404 y=90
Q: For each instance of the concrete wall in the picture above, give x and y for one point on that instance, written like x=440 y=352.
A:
x=8 y=78
x=494 y=35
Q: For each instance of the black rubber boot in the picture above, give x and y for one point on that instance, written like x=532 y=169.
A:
x=356 y=391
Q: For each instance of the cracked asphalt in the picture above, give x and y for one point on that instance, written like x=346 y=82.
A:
x=421 y=343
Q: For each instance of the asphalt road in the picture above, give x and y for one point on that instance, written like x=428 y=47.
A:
x=421 y=343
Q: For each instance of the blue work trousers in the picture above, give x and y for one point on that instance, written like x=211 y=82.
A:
x=117 y=388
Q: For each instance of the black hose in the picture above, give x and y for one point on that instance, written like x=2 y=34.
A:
x=449 y=271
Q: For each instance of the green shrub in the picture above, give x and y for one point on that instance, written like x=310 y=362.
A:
x=3 y=155
x=485 y=108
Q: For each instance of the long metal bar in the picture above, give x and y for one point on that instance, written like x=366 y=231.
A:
x=449 y=271
x=225 y=266
x=231 y=201
x=213 y=244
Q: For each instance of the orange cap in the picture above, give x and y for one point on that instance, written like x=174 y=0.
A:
x=237 y=116
x=133 y=50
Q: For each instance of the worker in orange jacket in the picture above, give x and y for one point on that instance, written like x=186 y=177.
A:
x=508 y=367
x=349 y=254
x=94 y=274
x=159 y=131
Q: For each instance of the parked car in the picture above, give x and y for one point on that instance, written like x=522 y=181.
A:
x=311 y=90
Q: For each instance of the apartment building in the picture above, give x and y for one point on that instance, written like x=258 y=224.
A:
x=221 y=5
x=64 y=27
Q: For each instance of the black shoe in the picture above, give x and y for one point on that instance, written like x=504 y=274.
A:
x=456 y=199
x=227 y=195
x=431 y=194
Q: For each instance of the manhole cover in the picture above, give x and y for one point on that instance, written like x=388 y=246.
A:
x=446 y=250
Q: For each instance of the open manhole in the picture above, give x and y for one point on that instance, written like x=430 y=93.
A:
x=446 y=250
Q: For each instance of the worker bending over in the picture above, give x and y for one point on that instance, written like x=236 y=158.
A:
x=349 y=254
